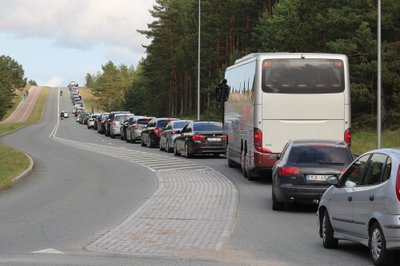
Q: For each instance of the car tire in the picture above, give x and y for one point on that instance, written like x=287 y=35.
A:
x=377 y=247
x=187 y=153
x=167 y=147
x=151 y=143
x=232 y=164
x=277 y=205
x=112 y=135
x=176 y=153
x=328 y=241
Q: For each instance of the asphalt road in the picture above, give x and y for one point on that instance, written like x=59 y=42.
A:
x=74 y=196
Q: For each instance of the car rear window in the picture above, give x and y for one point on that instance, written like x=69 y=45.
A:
x=162 y=123
x=319 y=154
x=179 y=124
x=207 y=126
x=143 y=121
x=120 y=117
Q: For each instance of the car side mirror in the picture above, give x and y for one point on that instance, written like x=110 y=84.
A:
x=333 y=180
x=275 y=156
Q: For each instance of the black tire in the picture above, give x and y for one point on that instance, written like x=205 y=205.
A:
x=328 y=241
x=232 y=164
x=377 y=247
x=112 y=135
x=176 y=153
x=243 y=164
x=187 y=153
x=277 y=205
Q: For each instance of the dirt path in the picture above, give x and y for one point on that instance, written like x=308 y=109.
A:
x=25 y=107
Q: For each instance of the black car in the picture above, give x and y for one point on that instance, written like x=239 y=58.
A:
x=101 y=121
x=124 y=125
x=301 y=173
x=150 y=135
x=200 y=137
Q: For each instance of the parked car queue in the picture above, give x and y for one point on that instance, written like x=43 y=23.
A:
x=358 y=199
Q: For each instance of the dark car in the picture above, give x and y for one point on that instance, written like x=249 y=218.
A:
x=169 y=134
x=101 y=123
x=124 y=126
x=150 y=135
x=200 y=137
x=301 y=173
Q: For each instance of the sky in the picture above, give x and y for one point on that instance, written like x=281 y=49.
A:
x=57 y=41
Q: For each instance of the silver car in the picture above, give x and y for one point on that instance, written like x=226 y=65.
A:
x=363 y=205
x=134 y=131
x=116 y=124
x=169 y=134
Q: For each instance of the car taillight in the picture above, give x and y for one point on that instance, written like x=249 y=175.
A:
x=198 y=137
x=157 y=131
x=258 y=136
x=347 y=137
x=135 y=126
x=398 y=184
x=288 y=171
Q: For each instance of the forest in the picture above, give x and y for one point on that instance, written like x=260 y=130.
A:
x=165 y=82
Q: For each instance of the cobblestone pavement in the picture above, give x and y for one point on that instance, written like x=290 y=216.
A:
x=194 y=208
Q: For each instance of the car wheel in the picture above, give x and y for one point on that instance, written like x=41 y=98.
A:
x=243 y=164
x=161 y=147
x=277 y=205
x=232 y=164
x=127 y=139
x=151 y=143
x=187 y=153
x=176 y=153
x=167 y=147
x=377 y=247
x=328 y=241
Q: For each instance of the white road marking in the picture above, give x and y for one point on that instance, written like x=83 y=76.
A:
x=47 y=251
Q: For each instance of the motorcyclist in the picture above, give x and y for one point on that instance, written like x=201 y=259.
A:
x=62 y=115
x=61 y=92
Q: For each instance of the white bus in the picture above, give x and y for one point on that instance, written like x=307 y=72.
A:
x=276 y=97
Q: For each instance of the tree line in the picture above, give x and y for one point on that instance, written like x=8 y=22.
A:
x=11 y=79
x=165 y=82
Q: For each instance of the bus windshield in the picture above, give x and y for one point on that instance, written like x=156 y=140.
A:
x=303 y=76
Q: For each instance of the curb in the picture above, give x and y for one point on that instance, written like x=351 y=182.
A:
x=26 y=172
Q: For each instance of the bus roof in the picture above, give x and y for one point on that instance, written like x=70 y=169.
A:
x=254 y=56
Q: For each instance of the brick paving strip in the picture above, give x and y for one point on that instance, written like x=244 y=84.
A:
x=25 y=107
x=193 y=209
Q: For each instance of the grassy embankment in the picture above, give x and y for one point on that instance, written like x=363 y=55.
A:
x=90 y=101
x=12 y=161
x=365 y=140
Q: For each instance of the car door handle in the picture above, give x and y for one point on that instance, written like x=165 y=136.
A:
x=350 y=198
x=371 y=198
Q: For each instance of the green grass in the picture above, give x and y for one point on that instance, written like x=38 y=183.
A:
x=12 y=161
x=90 y=101
x=365 y=140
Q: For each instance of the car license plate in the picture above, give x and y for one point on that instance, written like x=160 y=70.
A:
x=214 y=139
x=317 y=177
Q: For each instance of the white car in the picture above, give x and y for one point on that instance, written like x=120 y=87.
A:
x=363 y=205
x=65 y=114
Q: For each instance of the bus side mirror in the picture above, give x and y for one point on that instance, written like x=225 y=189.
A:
x=222 y=91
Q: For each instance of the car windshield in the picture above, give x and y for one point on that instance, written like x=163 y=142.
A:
x=319 y=154
x=207 y=126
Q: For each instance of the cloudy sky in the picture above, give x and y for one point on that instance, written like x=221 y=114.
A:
x=57 y=41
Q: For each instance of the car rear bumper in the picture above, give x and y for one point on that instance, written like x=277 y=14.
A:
x=299 y=193
x=204 y=149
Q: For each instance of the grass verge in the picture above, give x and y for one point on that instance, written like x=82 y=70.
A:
x=366 y=140
x=90 y=101
x=12 y=161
